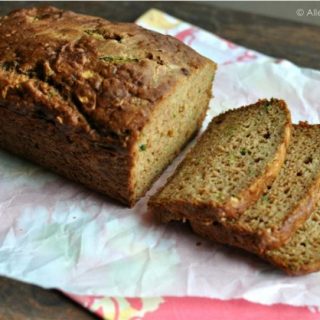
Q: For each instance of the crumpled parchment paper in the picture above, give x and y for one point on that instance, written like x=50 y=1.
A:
x=57 y=234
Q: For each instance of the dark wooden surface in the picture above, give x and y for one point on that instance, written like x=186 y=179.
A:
x=283 y=39
x=20 y=301
x=279 y=38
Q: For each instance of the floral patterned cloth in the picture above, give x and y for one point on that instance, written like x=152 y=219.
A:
x=189 y=308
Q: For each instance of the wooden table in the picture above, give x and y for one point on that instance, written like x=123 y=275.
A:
x=283 y=39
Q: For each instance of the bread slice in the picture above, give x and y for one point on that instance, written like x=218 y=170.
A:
x=301 y=254
x=284 y=207
x=237 y=157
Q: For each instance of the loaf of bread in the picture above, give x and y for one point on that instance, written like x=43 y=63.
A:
x=105 y=104
x=229 y=168
x=284 y=207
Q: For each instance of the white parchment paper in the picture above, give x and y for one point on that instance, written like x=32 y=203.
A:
x=60 y=235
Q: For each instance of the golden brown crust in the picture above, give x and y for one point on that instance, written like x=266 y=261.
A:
x=110 y=74
x=181 y=209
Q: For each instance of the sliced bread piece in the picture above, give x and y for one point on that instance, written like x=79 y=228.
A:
x=301 y=254
x=237 y=157
x=283 y=208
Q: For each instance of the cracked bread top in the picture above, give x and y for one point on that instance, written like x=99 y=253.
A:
x=86 y=74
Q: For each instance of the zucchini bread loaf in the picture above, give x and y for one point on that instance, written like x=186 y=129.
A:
x=105 y=104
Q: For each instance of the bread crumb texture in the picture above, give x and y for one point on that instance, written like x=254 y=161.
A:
x=228 y=167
